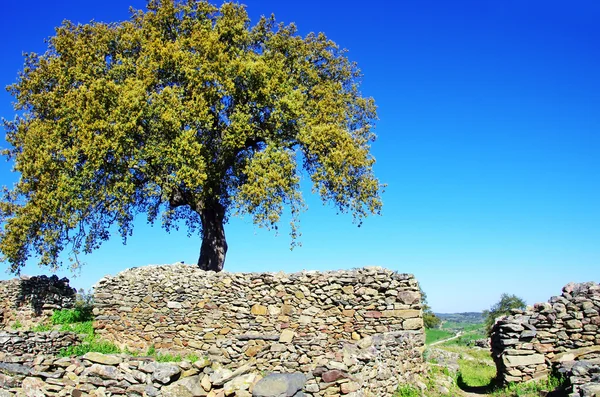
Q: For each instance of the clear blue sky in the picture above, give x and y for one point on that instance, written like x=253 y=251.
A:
x=488 y=140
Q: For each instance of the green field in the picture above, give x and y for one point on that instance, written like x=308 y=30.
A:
x=434 y=335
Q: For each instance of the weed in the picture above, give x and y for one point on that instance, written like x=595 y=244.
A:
x=433 y=335
x=71 y=316
x=151 y=351
x=530 y=389
x=94 y=345
x=42 y=328
x=407 y=391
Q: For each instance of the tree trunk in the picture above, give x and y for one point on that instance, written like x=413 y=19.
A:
x=214 y=245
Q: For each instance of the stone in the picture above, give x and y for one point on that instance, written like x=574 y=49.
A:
x=166 y=373
x=239 y=383
x=33 y=387
x=333 y=375
x=279 y=385
x=205 y=383
x=186 y=386
x=201 y=363
x=515 y=361
x=349 y=387
x=259 y=310
x=107 y=359
x=287 y=336
x=104 y=371
x=413 y=323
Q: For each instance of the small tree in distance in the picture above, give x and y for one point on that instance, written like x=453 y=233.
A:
x=430 y=320
x=185 y=113
x=502 y=308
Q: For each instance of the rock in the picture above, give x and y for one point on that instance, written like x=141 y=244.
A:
x=287 y=335
x=239 y=383
x=349 y=387
x=104 y=371
x=515 y=361
x=191 y=384
x=202 y=363
x=259 y=310
x=33 y=387
x=107 y=359
x=279 y=385
x=165 y=373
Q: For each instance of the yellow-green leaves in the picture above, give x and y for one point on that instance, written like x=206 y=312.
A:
x=187 y=111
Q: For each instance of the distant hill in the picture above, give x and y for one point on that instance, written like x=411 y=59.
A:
x=468 y=317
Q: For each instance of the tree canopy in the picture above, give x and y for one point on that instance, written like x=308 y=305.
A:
x=186 y=112
x=502 y=308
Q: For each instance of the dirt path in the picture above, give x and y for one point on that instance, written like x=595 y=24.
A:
x=439 y=342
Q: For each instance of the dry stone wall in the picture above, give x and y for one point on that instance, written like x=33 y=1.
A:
x=29 y=300
x=354 y=331
x=528 y=344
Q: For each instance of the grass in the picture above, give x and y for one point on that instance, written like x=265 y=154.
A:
x=434 y=335
x=71 y=316
x=475 y=373
x=530 y=389
x=407 y=391
x=467 y=339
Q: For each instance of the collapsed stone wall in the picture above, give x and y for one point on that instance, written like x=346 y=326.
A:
x=29 y=300
x=527 y=344
x=352 y=331
x=19 y=343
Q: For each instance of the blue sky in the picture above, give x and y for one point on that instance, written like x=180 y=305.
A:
x=488 y=141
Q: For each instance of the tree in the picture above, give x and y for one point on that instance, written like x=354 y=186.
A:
x=187 y=113
x=502 y=308
x=430 y=320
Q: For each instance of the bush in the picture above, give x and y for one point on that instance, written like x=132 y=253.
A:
x=407 y=391
x=502 y=308
x=71 y=316
x=98 y=346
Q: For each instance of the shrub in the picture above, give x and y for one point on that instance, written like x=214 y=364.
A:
x=407 y=391
x=71 y=316
x=94 y=345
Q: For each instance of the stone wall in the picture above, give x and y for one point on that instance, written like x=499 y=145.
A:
x=104 y=375
x=19 y=343
x=527 y=344
x=29 y=300
x=349 y=331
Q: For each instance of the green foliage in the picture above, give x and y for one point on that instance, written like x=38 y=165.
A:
x=475 y=373
x=151 y=351
x=407 y=391
x=71 y=316
x=85 y=327
x=42 y=328
x=434 y=335
x=169 y=358
x=467 y=339
x=93 y=345
x=187 y=113
x=17 y=325
x=531 y=389
x=430 y=320
x=501 y=308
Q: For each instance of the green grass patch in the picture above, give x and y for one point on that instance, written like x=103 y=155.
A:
x=407 y=391
x=42 y=328
x=71 y=316
x=94 y=345
x=530 y=389
x=467 y=339
x=475 y=373
x=465 y=352
x=434 y=335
